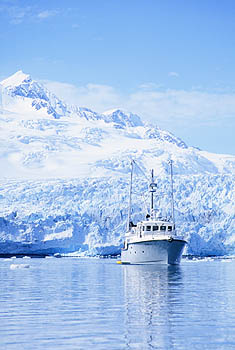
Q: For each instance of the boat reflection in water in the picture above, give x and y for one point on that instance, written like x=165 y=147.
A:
x=152 y=295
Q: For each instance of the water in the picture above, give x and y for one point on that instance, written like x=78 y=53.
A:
x=75 y=304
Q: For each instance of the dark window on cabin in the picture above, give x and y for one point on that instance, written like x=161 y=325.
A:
x=163 y=228
x=143 y=228
x=148 y=228
x=155 y=228
x=169 y=228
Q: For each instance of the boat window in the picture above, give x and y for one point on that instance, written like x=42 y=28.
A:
x=143 y=228
x=163 y=228
x=169 y=228
x=155 y=228
x=148 y=228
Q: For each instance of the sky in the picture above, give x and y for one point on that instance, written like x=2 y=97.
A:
x=169 y=61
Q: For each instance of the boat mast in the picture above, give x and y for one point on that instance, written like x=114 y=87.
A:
x=152 y=187
x=152 y=181
x=130 y=194
x=172 y=194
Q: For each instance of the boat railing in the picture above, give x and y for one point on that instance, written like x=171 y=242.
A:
x=141 y=234
x=160 y=218
x=157 y=233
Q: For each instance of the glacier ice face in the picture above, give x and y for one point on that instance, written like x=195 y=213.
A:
x=65 y=174
x=90 y=215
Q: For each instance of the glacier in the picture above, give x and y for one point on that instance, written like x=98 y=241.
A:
x=65 y=176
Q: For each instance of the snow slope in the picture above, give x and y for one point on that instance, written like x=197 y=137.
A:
x=65 y=173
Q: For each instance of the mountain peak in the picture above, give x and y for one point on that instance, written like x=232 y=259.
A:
x=115 y=110
x=122 y=118
x=16 y=79
x=21 y=85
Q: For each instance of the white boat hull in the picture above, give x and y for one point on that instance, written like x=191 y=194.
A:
x=162 y=251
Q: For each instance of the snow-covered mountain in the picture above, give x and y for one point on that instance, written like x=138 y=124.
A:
x=65 y=173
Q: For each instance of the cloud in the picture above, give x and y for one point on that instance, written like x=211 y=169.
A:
x=173 y=74
x=75 y=25
x=94 y=96
x=16 y=14
x=46 y=14
x=188 y=108
x=150 y=86
x=98 y=38
x=19 y=14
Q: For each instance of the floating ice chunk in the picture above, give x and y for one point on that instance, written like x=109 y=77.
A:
x=26 y=257
x=19 y=266
x=227 y=259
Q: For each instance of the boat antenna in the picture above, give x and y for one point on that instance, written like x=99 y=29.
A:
x=172 y=193
x=130 y=194
x=152 y=187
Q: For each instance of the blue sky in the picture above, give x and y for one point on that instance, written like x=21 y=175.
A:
x=170 y=61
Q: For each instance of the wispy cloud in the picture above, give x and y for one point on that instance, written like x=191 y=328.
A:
x=16 y=14
x=98 y=38
x=95 y=96
x=165 y=107
x=187 y=108
x=173 y=74
x=47 y=13
x=75 y=25
x=150 y=86
x=20 y=14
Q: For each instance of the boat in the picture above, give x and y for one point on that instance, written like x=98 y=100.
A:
x=155 y=239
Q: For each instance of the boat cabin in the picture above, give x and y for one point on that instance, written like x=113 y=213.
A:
x=162 y=227
x=152 y=227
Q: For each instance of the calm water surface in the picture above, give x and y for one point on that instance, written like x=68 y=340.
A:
x=74 y=304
